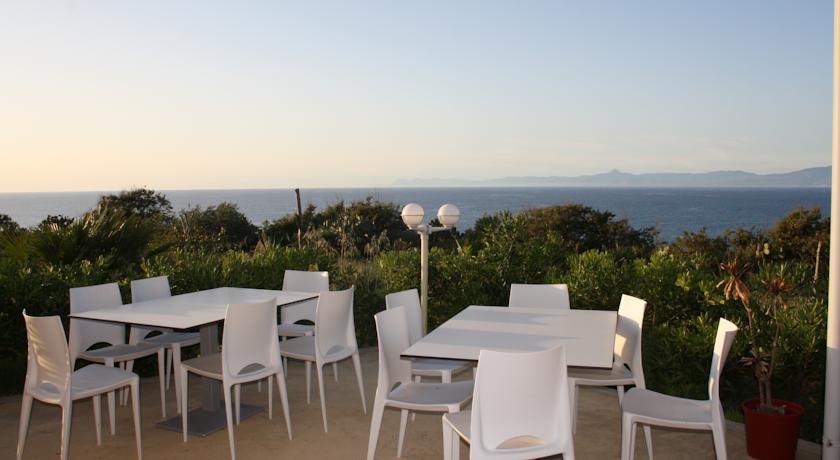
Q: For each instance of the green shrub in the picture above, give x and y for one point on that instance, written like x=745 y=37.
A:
x=595 y=279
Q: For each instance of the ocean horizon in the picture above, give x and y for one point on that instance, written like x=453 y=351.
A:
x=671 y=211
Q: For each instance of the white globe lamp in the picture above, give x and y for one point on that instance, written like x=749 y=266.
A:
x=449 y=215
x=412 y=214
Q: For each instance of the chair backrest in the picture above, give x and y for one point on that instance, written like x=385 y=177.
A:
x=250 y=338
x=297 y=280
x=520 y=397
x=334 y=326
x=628 y=334
x=141 y=291
x=48 y=363
x=723 y=342
x=85 y=332
x=409 y=299
x=539 y=296
x=150 y=288
x=392 y=336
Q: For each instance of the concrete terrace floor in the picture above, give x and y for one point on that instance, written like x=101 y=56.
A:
x=598 y=435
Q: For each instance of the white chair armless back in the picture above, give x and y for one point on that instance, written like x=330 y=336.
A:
x=84 y=332
x=334 y=326
x=250 y=338
x=48 y=364
x=392 y=336
x=723 y=342
x=141 y=291
x=539 y=296
x=628 y=334
x=303 y=281
x=414 y=317
x=517 y=395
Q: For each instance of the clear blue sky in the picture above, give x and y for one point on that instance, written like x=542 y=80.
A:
x=102 y=95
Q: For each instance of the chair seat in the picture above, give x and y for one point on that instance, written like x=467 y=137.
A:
x=295 y=330
x=434 y=367
x=303 y=348
x=658 y=406
x=206 y=365
x=95 y=379
x=119 y=353
x=460 y=422
x=618 y=375
x=431 y=396
x=168 y=338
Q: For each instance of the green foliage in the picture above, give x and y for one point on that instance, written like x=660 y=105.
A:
x=219 y=228
x=596 y=280
x=7 y=225
x=140 y=202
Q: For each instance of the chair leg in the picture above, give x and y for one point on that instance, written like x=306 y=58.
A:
x=417 y=379
x=66 y=419
x=573 y=387
x=447 y=440
x=169 y=366
x=403 y=420
x=25 y=412
x=237 y=390
x=259 y=386
x=719 y=436
x=97 y=418
x=375 y=424
x=112 y=403
x=229 y=417
x=176 y=369
x=335 y=371
x=456 y=445
x=127 y=366
x=183 y=378
x=308 y=365
x=270 y=397
x=135 y=409
x=357 y=365
x=284 y=401
x=161 y=357
x=620 y=390
x=648 y=441
x=320 y=371
x=628 y=431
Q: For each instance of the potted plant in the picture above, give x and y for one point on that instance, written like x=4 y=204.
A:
x=772 y=425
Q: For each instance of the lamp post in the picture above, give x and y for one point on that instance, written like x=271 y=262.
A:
x=412 y=215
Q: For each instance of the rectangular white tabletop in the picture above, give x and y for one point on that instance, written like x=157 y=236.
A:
x=588 y=335
x=184 y=311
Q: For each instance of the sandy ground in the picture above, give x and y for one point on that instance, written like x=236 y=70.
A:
x=598 y=435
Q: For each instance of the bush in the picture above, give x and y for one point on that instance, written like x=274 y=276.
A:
x=219 y=228
x=595 y=279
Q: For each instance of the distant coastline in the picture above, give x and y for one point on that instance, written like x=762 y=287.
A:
x=803 y=178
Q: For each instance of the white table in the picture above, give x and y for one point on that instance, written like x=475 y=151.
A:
x=204 y=309
x=587 y=335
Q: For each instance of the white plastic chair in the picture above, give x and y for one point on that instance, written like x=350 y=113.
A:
x=249 y=353
x=539 y=296
x=395 y=387
x=627 y=363
x=50 y=379
x=302 y=281
x=156 y=288
x=651 y=408
x=334 y=340
x=442 y=368
x=84 y=333
x=520 y=409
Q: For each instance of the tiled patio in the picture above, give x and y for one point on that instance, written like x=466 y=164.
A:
x=598 y=435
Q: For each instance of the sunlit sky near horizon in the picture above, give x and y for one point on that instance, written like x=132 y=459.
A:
x=100 y=95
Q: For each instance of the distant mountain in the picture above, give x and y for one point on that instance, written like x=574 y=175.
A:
x=811 y=177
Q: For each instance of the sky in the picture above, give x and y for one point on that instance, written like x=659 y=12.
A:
x=103 y=95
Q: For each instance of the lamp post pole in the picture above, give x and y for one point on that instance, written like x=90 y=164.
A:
x=412 y=215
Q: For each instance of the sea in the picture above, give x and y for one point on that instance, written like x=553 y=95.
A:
x=671 y=211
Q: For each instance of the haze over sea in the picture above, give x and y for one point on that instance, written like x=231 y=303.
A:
x=671 y=210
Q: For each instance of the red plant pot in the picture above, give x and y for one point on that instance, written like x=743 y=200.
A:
x=772 y=436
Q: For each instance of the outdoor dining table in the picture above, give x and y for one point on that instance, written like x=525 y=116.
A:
x=203 y=309
x=587 y=335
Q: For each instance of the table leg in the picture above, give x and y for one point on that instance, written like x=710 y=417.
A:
x=211 y=388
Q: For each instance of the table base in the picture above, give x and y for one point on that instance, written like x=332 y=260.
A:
x=202 y=422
